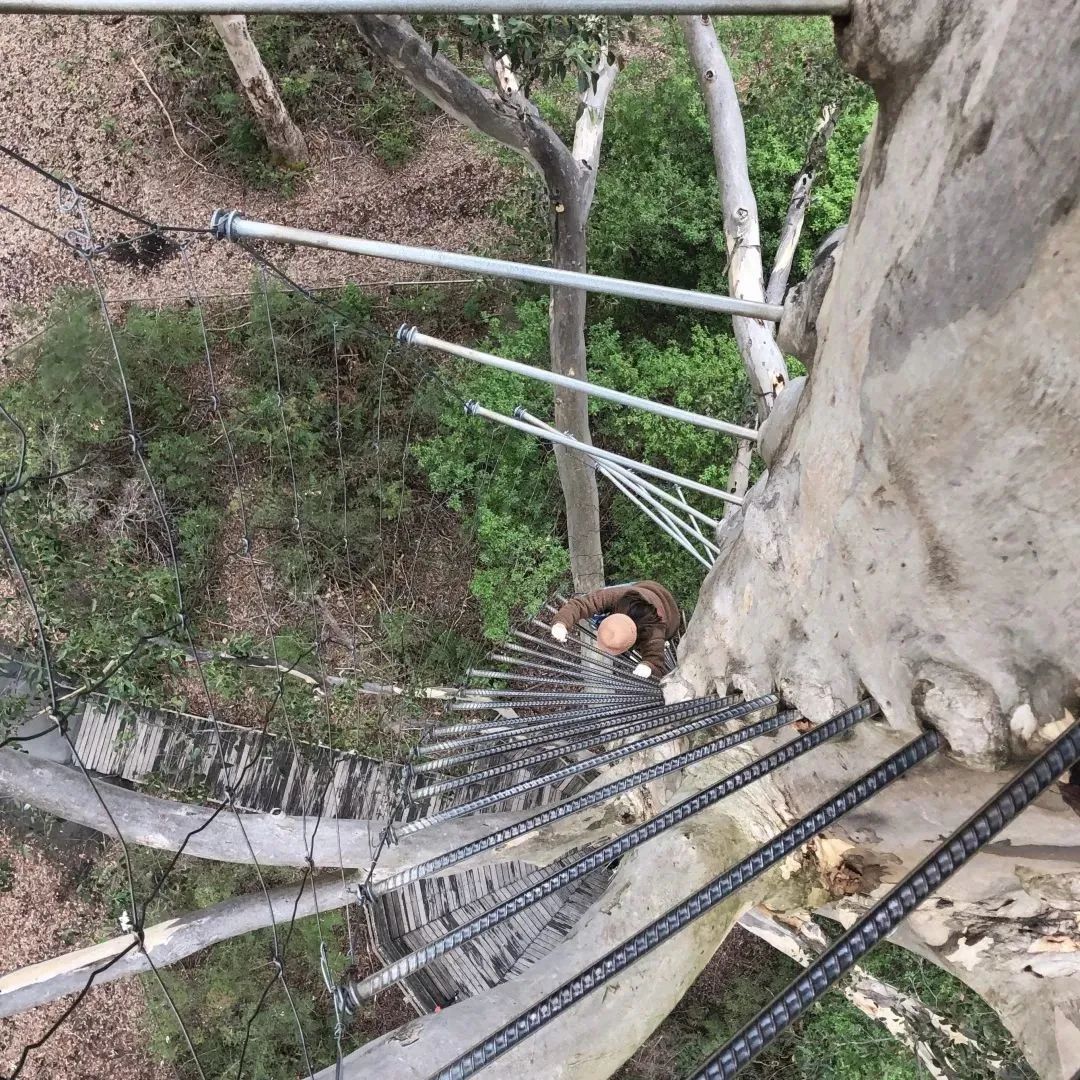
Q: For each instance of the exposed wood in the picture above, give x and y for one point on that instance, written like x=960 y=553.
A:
x=287 y=146
x=763 y=360
x=739 y=478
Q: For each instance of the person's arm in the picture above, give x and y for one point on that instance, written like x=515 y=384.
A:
x=650 y=648
x=583 y=607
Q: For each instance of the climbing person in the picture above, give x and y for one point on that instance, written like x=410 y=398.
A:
x=642 y=615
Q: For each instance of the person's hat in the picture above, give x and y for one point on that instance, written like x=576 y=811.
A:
x=616 y=634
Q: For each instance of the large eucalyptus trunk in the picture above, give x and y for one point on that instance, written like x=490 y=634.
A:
x=283 y=137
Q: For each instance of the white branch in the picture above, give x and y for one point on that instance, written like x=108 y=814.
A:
x=902 y=1015
x=167 y=942
x=274 y=840
x=763 y=359
x=589 y=130
x=739 y=479
x=796 y=212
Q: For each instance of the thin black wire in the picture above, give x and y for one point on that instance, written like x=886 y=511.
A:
x=67 y=185
x=893 y=908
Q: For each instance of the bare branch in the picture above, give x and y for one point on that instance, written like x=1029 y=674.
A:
x=274 y=839
x=924 y=1032
x=739 y=479
x=167 y=942
x=764 y=361
x=517 y=125
x=800 y=200
x=589 y=130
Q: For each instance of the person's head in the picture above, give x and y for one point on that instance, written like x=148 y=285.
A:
x=616 y=634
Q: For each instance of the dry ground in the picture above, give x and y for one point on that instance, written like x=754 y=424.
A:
x=72 y=100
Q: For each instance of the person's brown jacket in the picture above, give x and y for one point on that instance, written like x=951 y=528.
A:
x=618 y=599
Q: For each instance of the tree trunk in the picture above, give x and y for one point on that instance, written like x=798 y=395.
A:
x=287 y=146
x=764 y=361
x=739 y=479
x=567 y=346
x=916 y=535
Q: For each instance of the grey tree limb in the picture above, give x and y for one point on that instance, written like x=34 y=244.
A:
x=763 y=360
x=274 y=839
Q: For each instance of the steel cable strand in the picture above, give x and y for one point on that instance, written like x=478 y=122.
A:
x=356 y=991
x=893 y=908
x=595 y=762
x=680 y=916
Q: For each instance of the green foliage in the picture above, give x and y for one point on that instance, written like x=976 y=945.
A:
x=324 y=77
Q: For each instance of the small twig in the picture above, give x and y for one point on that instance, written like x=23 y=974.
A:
x=165 y=113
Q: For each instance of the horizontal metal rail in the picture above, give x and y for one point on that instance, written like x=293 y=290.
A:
x=413 y=336
x=551 y=814
x=617 y=848
x=595 y=762
x=894 y=907
x=424 y=7
x=548 y=662
x=229 y=225
x=680 y=916
x=621 y=663
x=648 y=689
x=473 y=408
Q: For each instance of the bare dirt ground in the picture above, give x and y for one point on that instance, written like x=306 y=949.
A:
x=72 y=100
x=42 y=915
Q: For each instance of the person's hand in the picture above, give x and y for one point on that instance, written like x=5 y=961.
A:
x=559 y=632
x=643 y=671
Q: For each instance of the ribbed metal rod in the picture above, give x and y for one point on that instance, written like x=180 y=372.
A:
x=893 y=908
x=424 y=7
x=583 y=739
x=575 y=663
x=618 y=662
x=552 y=725
x=680 y=916
x=551 y=814
x=413 y=336
x=474 y=733
x=229 y=225
x=595 y=762
x=639 y=482
x=475 y=409
x=522 y=741
x=479 y=704
x=649 y=689
x=356 y=992
x=546 y=662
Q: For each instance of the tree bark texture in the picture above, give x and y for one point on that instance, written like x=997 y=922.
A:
x=287 y=146
x=915 y=537
x=764 y=361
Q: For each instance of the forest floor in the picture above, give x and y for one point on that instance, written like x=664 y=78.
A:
x=73 y=100
x=44 y=912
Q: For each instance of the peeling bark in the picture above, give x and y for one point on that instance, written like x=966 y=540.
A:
x=287 y=146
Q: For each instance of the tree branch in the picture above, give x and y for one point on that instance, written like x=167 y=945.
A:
x=276 y=839
x=517 y=125
x=924 y=1032
x=589 y=130
x=764 y=361
x=168 y=942
x=800 y=200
